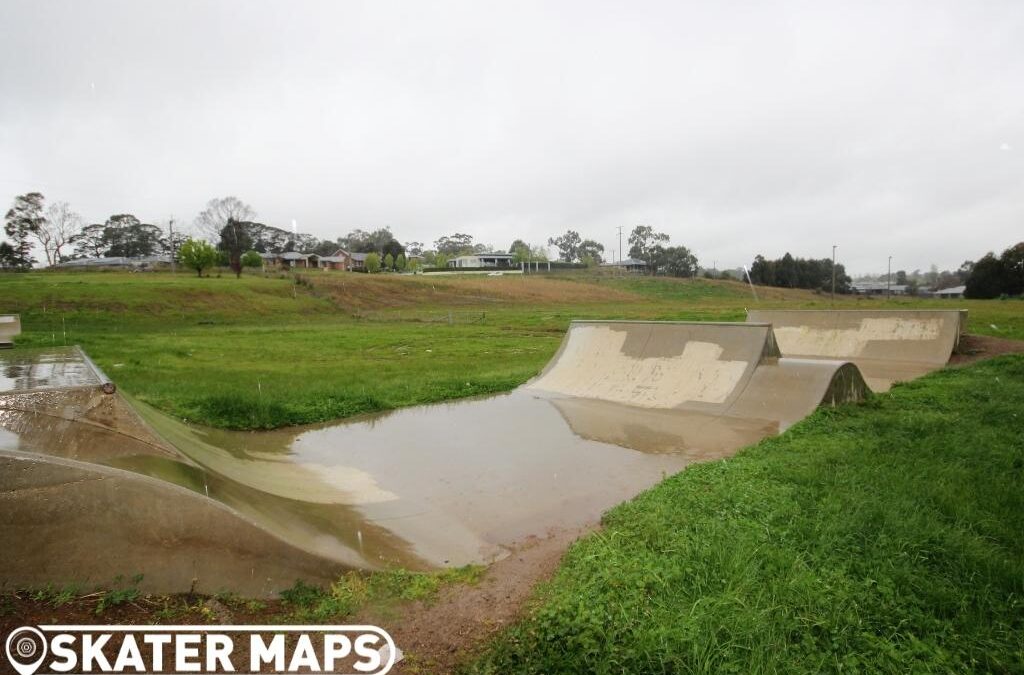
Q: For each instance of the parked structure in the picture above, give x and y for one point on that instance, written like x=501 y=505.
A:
x=141 y=262
x=950 y=293
x=878 y=288
x=628 y=265
x=497 y=260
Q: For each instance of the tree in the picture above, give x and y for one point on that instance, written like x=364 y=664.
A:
x=568 y=245
x=986 y=280
x=1013 y=269
x=414 y=247
x=901 y=277
x=197 y=254
x=680 y=262
x=441 y=260
x=592 y=251
x=8 y=257
x=372 y=263
x=21 y=223
x=400 y=263
x=125 y=236
x=642 y=242
x=235 y=240
x=360 y=241
x=517 y=245
x=218 y=212
x=455 y=244
x=252 y=259
x=521 y=251
x=392 y=248
x=89 y=243
x=57 y=230
x=389 y=262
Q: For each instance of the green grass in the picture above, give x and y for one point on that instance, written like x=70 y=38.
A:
x=357 y=590
x=884 y=537
x=263 y=352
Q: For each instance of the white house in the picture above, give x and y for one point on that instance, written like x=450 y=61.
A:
x=502 y=260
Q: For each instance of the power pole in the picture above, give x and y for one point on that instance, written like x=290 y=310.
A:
x=833 y=275
x=888 y=278
x=620 y=243
x=170 y=228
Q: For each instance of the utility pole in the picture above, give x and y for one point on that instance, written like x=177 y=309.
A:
x=888 y=278
x=170 y=228
x=714 y=269
x=620 y=243
x=833 y=275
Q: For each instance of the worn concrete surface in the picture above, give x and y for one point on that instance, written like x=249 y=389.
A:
x=887 y=346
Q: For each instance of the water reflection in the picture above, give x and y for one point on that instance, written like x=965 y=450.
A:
x=26 y=369
x=444 y=484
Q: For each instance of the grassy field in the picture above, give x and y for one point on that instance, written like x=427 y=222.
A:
x=262 y=352
x=885 y=537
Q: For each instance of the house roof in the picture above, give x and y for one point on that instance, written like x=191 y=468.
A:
x=956 y=290
x=877 y=286
x=484 y=255
x=333 y=258
x=294 y=255
x=359 y=256
x=628 y=262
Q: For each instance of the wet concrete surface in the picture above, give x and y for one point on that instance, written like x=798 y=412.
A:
x=452 y=483
x=59 y=367
x=439 y=485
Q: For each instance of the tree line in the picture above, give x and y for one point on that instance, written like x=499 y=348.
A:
x=791 y=272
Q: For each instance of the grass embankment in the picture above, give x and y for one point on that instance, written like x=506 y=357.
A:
x=884 y=537
x=263 y=352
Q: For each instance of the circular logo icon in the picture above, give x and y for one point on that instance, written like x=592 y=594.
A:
x=26 y=649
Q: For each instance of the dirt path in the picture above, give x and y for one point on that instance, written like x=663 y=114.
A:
x=438 y=635
x=974 y=348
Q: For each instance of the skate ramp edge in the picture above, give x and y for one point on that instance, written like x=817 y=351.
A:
x=86 y=523
x=717 y=369
x=10 y=328
x=886 y=345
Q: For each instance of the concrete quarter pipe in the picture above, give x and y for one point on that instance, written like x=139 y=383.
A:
x=94 y=486
x=886 y=345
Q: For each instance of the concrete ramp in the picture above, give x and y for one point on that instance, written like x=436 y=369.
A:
x=729 y=370
x=886 y=345
x=10 y=328
x=94 y=485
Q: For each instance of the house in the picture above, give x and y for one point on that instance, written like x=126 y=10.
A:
x=339 y=260
x=296 y=259
x=358 y=261
x=628 y=265
x=499 y=260
x=951 y=293
x=877 y=288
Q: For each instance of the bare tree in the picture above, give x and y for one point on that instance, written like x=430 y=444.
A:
x=57 y=231
x=218 y=212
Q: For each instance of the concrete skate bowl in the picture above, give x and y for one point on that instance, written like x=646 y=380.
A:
x=887 y=346
x=97 y=485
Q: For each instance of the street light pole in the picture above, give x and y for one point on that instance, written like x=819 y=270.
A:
x=620 y=243
x=833 y=275
x=888 y=278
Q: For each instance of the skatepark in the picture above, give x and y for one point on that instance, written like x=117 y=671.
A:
x=119 y=488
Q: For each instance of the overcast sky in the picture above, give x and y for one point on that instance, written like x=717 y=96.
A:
x=888 y=128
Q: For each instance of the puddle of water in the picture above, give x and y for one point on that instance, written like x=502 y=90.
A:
x=438 y=485
x=459 y=481
x=25 y=369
